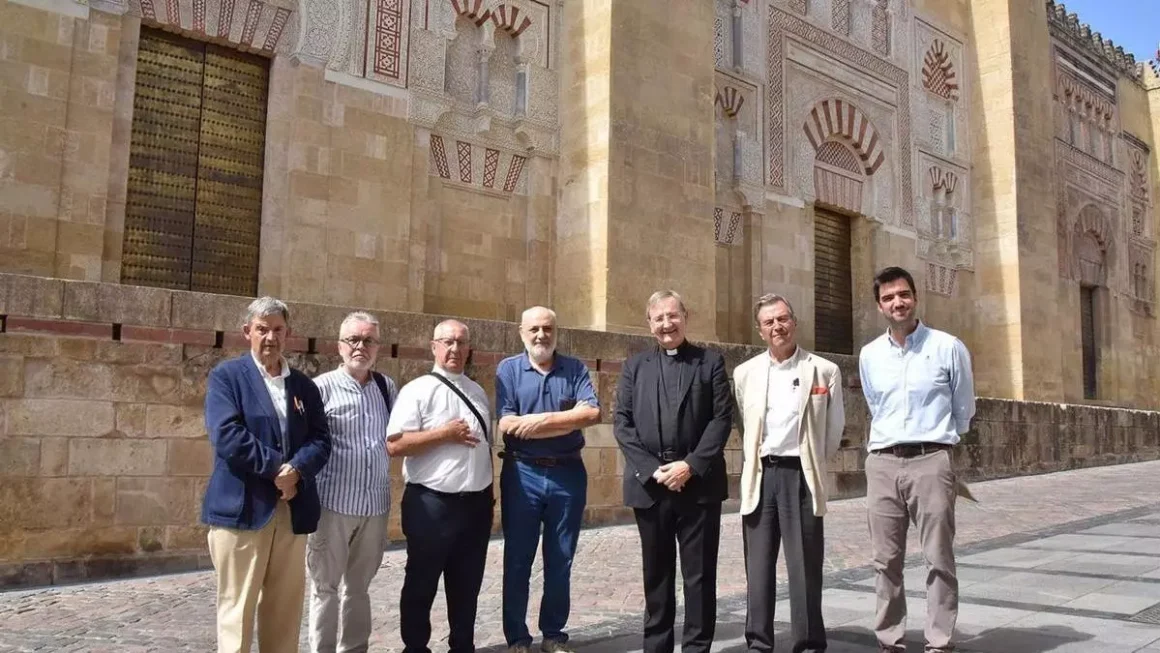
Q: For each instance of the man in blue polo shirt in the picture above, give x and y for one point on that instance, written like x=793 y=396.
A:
x=543 y=400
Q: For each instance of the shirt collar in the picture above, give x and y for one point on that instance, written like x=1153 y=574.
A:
x=349 y=379
x=913 y=339
x=445 y=374
x=266 y=375
x=789 y=363
x=528 y=367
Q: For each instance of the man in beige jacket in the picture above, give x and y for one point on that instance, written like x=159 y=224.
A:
x=792 y=419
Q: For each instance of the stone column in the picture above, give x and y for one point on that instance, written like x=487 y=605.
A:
x=636 y=213
x=1018 y=344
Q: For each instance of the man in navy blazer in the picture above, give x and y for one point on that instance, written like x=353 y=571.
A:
x=268 y=429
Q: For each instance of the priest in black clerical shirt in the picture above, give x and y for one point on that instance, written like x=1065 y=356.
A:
x=673 y=415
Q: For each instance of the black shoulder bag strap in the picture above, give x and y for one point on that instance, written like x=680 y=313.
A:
x=381 y=381
x=467 y=401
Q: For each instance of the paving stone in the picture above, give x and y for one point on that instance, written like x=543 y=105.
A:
x=1032 y=533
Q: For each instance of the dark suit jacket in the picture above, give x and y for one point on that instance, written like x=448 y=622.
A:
x=247 y=442
x=704 y=420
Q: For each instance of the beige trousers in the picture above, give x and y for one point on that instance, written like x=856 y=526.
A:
x=921 y=490
x=344 y=550
x=260 y=572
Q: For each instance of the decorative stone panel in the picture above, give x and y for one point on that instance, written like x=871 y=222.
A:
x=875 y=77
x=250 y=25
x=738 y=106
x=478 y=167
x=726 y=226
x=940 y=279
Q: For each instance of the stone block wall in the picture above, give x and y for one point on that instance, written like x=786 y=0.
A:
x=104 y=456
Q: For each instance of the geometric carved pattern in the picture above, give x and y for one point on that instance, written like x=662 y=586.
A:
x=225 y=17
x=726 y=234
x=464 y=151
x=940 y=279
x=439 y=153
x=262 y=22
x=251 y=24
x=508 y=20
x=514 y=170
x=838 y=190
x=388 y=37
x=730 y=100
x=835 y=117
x=782 y=22
x=835 y=154
x=841 y=17
x=719 y=43
x=799 y=6
x=937 y=76
x=472 y=10
x=490 y=163
x=1091 y=42
x=880 y=28
x=1138 y=175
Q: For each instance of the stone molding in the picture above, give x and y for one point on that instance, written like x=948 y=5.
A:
x=249 y=25
x=1067 y=26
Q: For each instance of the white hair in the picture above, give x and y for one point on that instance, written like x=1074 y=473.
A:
x=526 y=315
x=450 y=323
x=359 y=316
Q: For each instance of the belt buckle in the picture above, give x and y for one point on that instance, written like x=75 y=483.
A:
x=545 y=462
x=668 y=456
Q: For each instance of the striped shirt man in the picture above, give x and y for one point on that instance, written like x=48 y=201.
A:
x=356 y=481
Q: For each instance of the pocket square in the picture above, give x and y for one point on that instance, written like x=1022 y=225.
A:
x=820 y=390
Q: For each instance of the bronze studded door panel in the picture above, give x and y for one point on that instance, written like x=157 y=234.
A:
x=194 y=206
x=833 y=291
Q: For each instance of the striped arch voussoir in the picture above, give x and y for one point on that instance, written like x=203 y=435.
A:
x=472 y=10
x=831 y=119
x=507 y=18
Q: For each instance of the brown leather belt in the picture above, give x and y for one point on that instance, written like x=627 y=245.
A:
x=912 y=450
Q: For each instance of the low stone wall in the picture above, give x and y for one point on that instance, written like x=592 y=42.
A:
x=104 y=457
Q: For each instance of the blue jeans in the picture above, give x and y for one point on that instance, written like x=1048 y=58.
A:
x=532 y=495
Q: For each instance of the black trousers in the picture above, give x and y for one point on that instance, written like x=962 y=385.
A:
x=784 y=515
x=447 y=535
x=696 y=528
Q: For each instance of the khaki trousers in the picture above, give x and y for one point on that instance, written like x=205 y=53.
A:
x=260 y=571
x=921 y=490
x=346 y=550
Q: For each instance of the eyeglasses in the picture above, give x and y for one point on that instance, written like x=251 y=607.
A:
x=354 y=342
x=450 y=342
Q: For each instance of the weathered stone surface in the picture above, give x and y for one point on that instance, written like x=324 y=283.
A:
x=53 y=456
x=194 y=310
x=19 y=456
x=116 y=457
x=11 y=376
x=104 y=302
x=65 y=378
x=29 y=345
x=130 y=419
x=53 y=417
x=30 y=296
x=190 y=457
x=163 y=421
x=156 y=502
x=44 y=503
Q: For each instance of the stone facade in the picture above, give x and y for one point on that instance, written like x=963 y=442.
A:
x=104 y=457
x=473 y=157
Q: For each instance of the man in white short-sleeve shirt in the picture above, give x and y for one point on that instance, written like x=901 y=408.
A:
x=440 y=425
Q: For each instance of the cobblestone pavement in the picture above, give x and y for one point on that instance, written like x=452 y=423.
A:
x=1064 y=562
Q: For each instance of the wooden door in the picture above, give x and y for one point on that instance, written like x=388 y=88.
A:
x=194 y=204
x=833 y=286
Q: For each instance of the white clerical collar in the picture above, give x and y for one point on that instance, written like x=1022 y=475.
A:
x=672 y=352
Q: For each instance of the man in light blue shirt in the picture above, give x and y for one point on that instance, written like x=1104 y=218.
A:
x=918 y=387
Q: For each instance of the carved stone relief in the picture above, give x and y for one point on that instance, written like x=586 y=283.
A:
x=481 y=71
x=739 y=148
x=789 y=103
x=253 y=25
x=482 y=168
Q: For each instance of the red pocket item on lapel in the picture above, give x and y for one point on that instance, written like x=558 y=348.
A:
x=820 y=390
